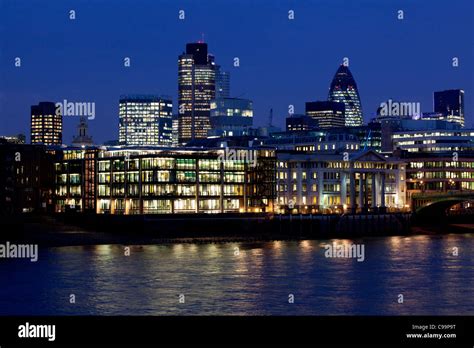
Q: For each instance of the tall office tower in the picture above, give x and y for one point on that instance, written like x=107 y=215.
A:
x=450 y=103
x=222 y=83
x=196 y=89
x=328 y=114
x=46 y=125
x=231 y=117
x=145 y=120
x=344 y=90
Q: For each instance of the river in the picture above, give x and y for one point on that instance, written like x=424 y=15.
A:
x=433 y=274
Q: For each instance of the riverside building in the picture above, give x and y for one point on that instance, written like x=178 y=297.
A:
x=128 y=180
x=439 y=172
x=337 y=183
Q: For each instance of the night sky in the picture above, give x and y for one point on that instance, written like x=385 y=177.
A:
x=282 y=61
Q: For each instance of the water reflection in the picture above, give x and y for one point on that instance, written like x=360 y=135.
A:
x=247 y=279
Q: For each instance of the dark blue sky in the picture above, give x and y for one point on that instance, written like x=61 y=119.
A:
x=282 y=62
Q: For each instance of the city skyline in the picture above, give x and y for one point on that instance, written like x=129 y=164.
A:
x=18 y=92
x=179 y=158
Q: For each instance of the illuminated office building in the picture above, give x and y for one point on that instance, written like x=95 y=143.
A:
x=153 y=180
x=196 y=89
x=231 y=117
x=145 y=120
x=316 y=142
x=328 y=114
x=434 y=140
x=344 y=90
x=439 y=172
x=46 y=126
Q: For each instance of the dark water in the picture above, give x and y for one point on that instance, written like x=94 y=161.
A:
x=258 y=281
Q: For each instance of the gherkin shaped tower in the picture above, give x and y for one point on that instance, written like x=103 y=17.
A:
x=344 y=90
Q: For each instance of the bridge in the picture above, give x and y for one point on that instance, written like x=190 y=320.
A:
x=437 y=203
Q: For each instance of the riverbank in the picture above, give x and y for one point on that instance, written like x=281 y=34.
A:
x=47 y=231
x=56 y=230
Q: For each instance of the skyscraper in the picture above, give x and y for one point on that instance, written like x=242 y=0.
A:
x=328 y=114
x=46 y=125
x=145 y=120
x=222 y=83
x=344 y=90
x=196 y=88
x=450 y=103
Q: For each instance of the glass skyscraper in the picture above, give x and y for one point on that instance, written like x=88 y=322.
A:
x=46 y=126
x=145 y=120
x=196 y=88
x=344 y=90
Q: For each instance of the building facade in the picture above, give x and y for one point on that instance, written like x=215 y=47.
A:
x=196 y=89
x=439 y=172
x=343 y=89
x=370 y=135
x=328 y=114
x=231 y=117
x=222 y=83
x=298 y=123
x=145 y=120
x=26 y=178
x=436 y=140
x=337 y=183
x=175 y=131
x=161 y=181
x=46 y=124
x=450 y=104
x=324 y=142
x=391 y=125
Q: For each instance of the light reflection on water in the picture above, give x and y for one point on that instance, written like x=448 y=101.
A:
x=246 y=279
